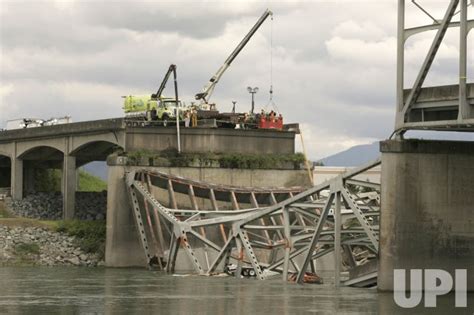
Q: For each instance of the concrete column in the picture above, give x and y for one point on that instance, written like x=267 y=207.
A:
x=427 y=214
x=69 y=186
x=123 y=248
x=17 y=179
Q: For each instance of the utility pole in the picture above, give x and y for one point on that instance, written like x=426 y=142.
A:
x=252 y=91
x=177 y=108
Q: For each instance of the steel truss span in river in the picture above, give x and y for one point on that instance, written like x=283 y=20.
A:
x=267 y=232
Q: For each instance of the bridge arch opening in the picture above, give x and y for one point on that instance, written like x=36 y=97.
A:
x=42 y=153
x=91 y=160
x=5 y=171
x=42 y=170
x=94 y=151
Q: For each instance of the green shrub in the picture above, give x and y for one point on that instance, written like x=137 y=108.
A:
x=50 y=180
x=135 y=157
x=4 y=213
x=25 y=249
x=223 y=160
x=90 y=235
x=259 y=161
x=169 y=153
x=47 y=179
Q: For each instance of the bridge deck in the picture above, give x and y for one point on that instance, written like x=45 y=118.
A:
x=437 y=108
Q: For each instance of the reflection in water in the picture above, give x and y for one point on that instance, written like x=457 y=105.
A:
x=135 y=291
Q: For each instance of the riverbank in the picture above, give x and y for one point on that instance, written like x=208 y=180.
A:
x=90 y=205
x=32 y=242
x=32 y=246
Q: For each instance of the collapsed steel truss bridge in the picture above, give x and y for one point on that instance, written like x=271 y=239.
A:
x=268 y=231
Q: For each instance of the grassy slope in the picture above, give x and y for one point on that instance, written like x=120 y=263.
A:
x=89 y=182
x=50 y=180
x=3 y=212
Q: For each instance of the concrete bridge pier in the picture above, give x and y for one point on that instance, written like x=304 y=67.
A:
x=69 y=186
x=427 y=215
x=17 y=178
x=23 y=182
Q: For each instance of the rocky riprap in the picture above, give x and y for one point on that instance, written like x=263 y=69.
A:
x=50 y=248
x=48 y=206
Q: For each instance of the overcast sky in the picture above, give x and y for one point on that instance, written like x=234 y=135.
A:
x=333 y=61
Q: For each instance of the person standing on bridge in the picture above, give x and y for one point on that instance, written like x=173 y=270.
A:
x=194 y=117
x=187 y=118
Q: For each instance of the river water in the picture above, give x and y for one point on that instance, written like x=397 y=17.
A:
x=68 y=290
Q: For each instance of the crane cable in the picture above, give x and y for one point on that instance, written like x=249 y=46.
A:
x=306 y=161
x=271 y=102
x=271 y=60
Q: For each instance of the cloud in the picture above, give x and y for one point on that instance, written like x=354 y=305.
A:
x=333 y=68
x=5 y=91
x=41 y=25
x=83 y=101
x=194 y=19
x=364 y=53
x=318 y=146
x=366 y=30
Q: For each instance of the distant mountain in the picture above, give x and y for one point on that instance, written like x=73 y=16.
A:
x=98 y=169
x=354 y=156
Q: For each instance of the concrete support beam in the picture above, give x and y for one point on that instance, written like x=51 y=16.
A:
x=427 y=208
x=17 y=179
x=69 y=187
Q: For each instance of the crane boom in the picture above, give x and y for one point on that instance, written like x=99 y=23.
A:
x=209 y=87
x=171 y=69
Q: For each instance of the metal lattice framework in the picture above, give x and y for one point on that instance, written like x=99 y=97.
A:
x=441 y=107
x=267 y=237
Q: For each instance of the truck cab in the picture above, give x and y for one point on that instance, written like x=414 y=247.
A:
x=142 y=107
x=166 y=109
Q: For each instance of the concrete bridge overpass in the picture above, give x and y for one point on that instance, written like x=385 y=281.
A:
x=70 y=146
